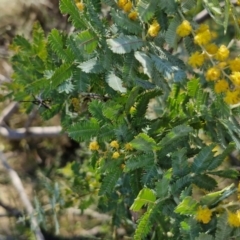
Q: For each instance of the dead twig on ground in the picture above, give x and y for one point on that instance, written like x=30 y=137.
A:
x=17 y=183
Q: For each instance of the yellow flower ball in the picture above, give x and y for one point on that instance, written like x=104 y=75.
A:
x=233 y=219
x=202 y=28
x=221 y=86
x=116 y=155
x=222 y=53
x=133 y=15
x=184 y=29
x=154 y=29
x=132 y=110
x=235 y=77
x=203 y=38
x=203 y=215
x=196 y=60
x=128 y=147
x=234 y=65
x=114 y=144
x=93 y=146
x=232 y=97
x=80 y=6
x=211 y=48
x=122 y=3
x=127 y=7
x=213 y=74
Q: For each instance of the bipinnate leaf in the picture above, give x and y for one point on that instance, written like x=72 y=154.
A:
x=115 y=82
x=84 y=130
x=216 y=161
x=187 y=206
x=69 y=7
x=144 y=143
x=124 y=44
x=61 y=74
x=162 y=187
x=87 y=40
x=228 y=173
x=223 y=228
x=146 y=9
x=214 y=198
x=91 y=66
x=132 y=98
x=203 y=159
x=144 y=226
x=146 y=62
x=140 y=161
x=204 y=236
x=204 y=181
x=145 y=196
x=109 y=182
x=56 y=41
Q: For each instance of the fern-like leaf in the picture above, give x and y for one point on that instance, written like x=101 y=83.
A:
x=61 y=74
x=146 y=9
x=57 y=43
x=171 y=36
x=87 y=40
x=84 y=130
x=144 y=226
x=223 y=228
x=69 y=7
x=115 y=82
x=39 y=42
x=146 y=62
x=141 y=161
x=110 y=181
x=121 y=20
x=170 y=6
x=124 y=44
x=91 y=66
x=204 y=182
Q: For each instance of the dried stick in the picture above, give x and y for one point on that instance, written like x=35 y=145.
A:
x=33 y=132
x=27 y=132
x=20 y=189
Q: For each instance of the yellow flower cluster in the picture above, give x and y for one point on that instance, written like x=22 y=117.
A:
x=116 y=155
x=184 y=29
x=133 y=15
x=213 y=74
x=221 y=86
x=154 y=29
x=128 y=147
x=127 y=6
x=93 y=146
x=80 y=6
x=234 y=219
x=114 y=144
x=203 y=35
x=232 y=97
x=76 y=104
x=196 y=59
x=222 y=53
x=203 y=215
x=227 y=84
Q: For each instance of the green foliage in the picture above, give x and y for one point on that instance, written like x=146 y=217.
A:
x=103 y=79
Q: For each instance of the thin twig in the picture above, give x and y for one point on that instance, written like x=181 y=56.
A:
x=31 y=132
x=17 y=183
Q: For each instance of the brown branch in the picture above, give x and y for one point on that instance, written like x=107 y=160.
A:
x=31 y=132
x=17 y=183
x=27 y=132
